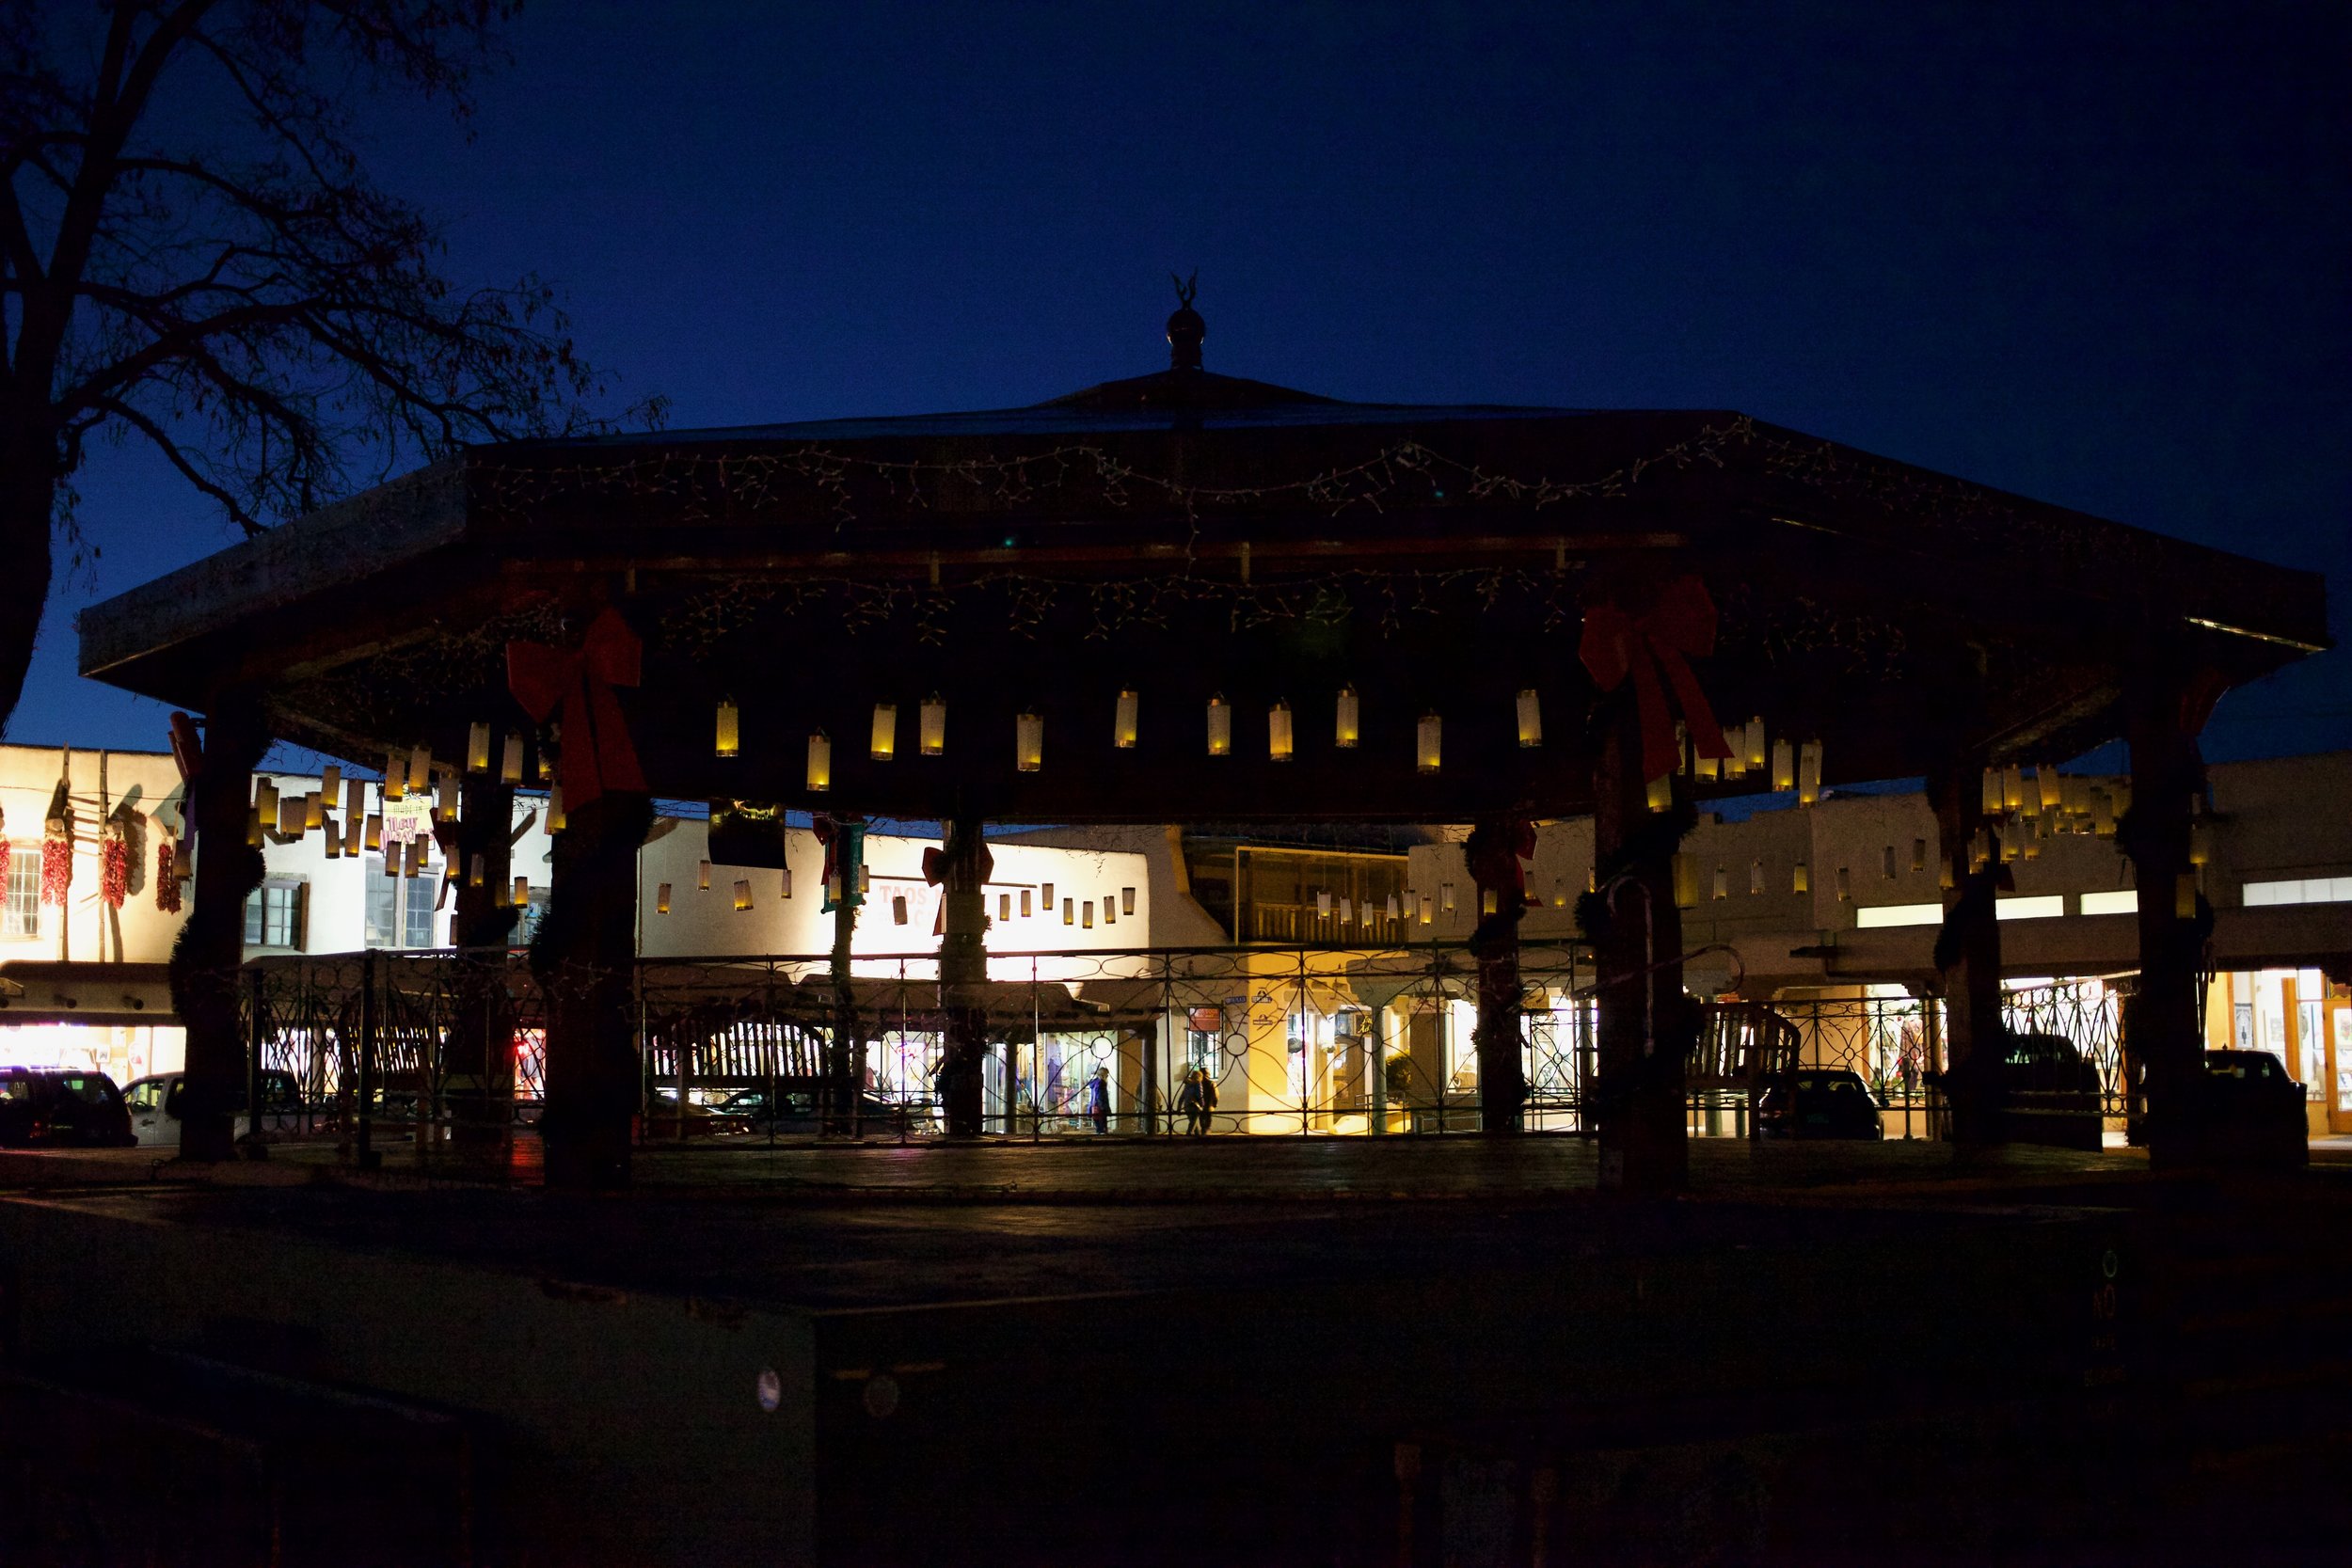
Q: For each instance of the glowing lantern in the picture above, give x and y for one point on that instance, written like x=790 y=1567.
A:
x=1345 y=731
x=1686 y=876
x=742 y=894
x=419 y=767
x=1809 y=773
x=2200 y=844
x=1086 y=913
x=2012 y=787
x=884 y=745
x=1445 y=896
x=374 y=839
x=1799 y=881
x=1323 y=903
x=1427 y=914
x=1347 y=912
x=703 y=877
x=1070 y=912
x=661 y=899
x=523 y=891
x=1026 y=910
x=266 y=798
x=477 y=748
x=290 y=822
x=1531 y=710
x=729 y=741
x=1392 y=908
x=1991 y=803
x=783 y=882
x=1429 y=743
x=1660 y=792
x=1221 y=728
x=416 y=857
x=1126 y=900
x=511 y=760
x=1045 y=891
x=1003 y=906
x=1784 y=765
x=395 y=778
x=1486 y=902
x=475 y=869
x=820 y=761
x=1029 y=742
x=1278 y=732
x=1756 y=743
x=313 y=811
x=1723 y=882
x=931 y=726
x=1123 y=721
x=1845 y=889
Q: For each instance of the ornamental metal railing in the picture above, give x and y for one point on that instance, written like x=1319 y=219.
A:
x=1256 y=1039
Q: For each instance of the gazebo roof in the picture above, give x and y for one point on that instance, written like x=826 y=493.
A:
x=1185 y=534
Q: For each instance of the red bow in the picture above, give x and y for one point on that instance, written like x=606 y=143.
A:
x=598 y=755
x=1616 y=645
x=935 y=872
x=1494 y=859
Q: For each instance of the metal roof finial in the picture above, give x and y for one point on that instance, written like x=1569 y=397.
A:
x=1185 y=329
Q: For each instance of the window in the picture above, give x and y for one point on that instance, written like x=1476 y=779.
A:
x=273 y=915
x=2045 y=907
x=2122 y=901
x=1898 y=914
x=400 y=909
x=2307 y=889
x=19 y=911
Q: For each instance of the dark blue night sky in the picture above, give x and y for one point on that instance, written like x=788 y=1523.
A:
x=2094 y=253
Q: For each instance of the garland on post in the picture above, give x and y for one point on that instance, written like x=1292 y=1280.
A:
x=56 y=849
x=114 y=867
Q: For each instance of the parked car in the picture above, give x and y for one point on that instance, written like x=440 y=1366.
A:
x=1818 y=1102
x=796 y=1111
x=61 y=1106
x=155 y=1106
x=2252 y=1110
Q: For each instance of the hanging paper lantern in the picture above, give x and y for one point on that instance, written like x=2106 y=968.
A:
x=883 y=744
x=1003 y=906
x=266 y=798
x=373 y=838
x=1799 y=881
x=313 y=811
x=2200 y=844
x=555 y=809
x=1809 y=773
x=1345 y=731
x=702 y=883
x=1277 y=733
x=1531 y=713
x=445 y=797
x=661 y=899
x=1660 y=795
x=1347 y=912
x=820 y=761
x=1393 y=908
x=1428 y=914
x=1126 y=900
x=476 y=868
x=742 y=894
x=865 y=878
x=932 y=725
x=477 y=748
x=1755 y=877
x=419 y=767
x=1323 y=903
x=396 y=777
x=1087 y=914
x=1723 y=882
x=522 y=891
x=416 y=857
x=1844 y=890
x=727 y=731
x=1024 y=903
x=1990 y=803
x=1429 y=743
x=1046 y=892
x=783 y=882
x=1221 y=728
x=1486 y=902
x=1029 y=742
x=1445 y=896
x=288 y=823
x=1784 y=765
x=1070 y=912
x=1702 y=768
x=1123 y=721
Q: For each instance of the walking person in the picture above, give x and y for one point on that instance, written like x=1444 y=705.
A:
x=1188 y=1102
x=1099 y=1099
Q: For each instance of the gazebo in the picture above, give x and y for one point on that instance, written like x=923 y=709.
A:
x=1188 y=596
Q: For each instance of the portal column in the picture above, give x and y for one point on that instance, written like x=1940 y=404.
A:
x=1968 y=956
x=1648 y=1026
x=1493 y=853
x=585 y=959
x=211 y=949
x=480 y=1055
x=964 y=975
x=2162 y=1037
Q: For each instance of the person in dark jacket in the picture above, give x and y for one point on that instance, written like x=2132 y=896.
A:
x=1197 y=1099
x=1099 y=1099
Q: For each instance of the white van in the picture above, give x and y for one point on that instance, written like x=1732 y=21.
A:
x=155 y=1106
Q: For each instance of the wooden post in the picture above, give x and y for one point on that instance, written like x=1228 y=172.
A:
x=585 y=959
x=2161 y=1027
x=963 y=973
x=1647 y=1027
x=1968 y=954
x=480 y=1057
x=211 y=948
x=1492 y=852
x=840 y=1091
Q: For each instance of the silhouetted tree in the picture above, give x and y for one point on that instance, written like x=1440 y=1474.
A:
x=193 y=254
